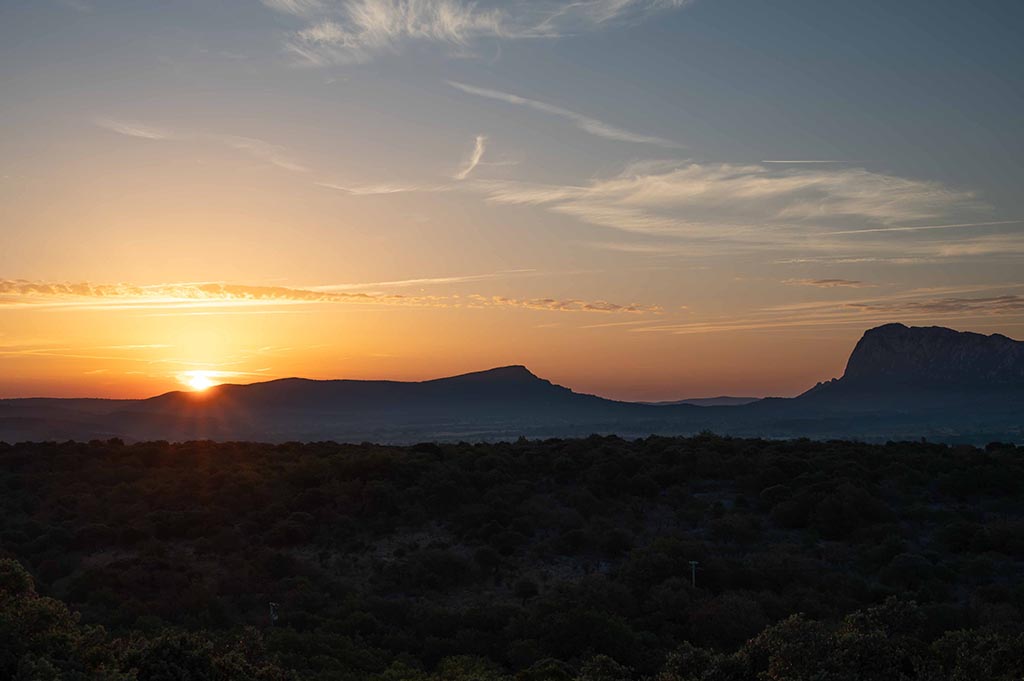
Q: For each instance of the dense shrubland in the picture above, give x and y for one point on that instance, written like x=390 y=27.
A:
x=533 y=560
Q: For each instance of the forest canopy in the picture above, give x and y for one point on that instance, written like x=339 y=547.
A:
x=600 y=559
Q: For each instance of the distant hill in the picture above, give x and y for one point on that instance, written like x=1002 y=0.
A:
x=913 y=368
x=900 y=383
x=721 y=401
x=497 y=403
x=511 y=387
x=895 y=355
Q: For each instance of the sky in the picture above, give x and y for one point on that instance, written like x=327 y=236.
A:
x=642 y=199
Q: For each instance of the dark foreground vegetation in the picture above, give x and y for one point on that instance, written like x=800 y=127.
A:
x=561 y=560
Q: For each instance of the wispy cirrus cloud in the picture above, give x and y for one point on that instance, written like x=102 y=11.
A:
x=279 y=156
x=939 y=301
x=384 y=189
x=262 y=150
x=479 y=146
x=756 y=205
x=1011 y=245
x=271 y=153
x=828 y=283
x=804 y=161
x=585 y=123
x=928 y=228
x=425 y=281
x=606 y=11
x=133 y=129
x=564 y=304
x=22 y=291
x=820 y=213
x=909 y=307
x=202 y=295
x=299 y=8
x=989 y=247
x=356 y=31
x=945 y=307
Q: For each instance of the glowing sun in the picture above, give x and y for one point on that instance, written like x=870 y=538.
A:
x=198 y=380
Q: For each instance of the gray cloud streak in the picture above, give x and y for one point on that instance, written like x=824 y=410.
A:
x=256 y=148
x=585 y=123
x=479 y=146
x=828 y=283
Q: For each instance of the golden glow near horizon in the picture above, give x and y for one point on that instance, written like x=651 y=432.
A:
x=643 y=211
x=197 y=380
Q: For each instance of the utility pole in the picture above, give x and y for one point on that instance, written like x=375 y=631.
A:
x=693 y=573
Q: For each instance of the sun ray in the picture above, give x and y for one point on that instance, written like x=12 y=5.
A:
x=197 y=380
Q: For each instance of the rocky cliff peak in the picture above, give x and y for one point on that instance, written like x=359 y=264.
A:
x=895 y=354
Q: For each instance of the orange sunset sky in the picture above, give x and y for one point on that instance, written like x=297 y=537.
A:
x=652 y=199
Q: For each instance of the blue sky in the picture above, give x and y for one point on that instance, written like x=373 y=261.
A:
x=740 y=184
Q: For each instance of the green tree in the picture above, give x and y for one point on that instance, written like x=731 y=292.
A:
x=468 y=668
x=603 y=668
x=173 y=656
x=41 y=640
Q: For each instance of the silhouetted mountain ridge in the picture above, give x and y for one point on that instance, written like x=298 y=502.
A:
x=896 y=368
x=900 y=382
x=934 y=356
x=719 y=401
x=503 y=385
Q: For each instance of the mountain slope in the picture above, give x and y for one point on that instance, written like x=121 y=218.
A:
x=907 y=368
x=721 y=401
x=934 y=356
x=508 y=388
x=502 y=402
x=900 y=382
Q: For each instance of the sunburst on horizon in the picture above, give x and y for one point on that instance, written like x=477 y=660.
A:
x=198 y=380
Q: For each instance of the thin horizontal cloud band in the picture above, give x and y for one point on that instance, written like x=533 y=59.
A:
x=1008 y=308
x=585 y=123
x=111 y=296
x=828 y=283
